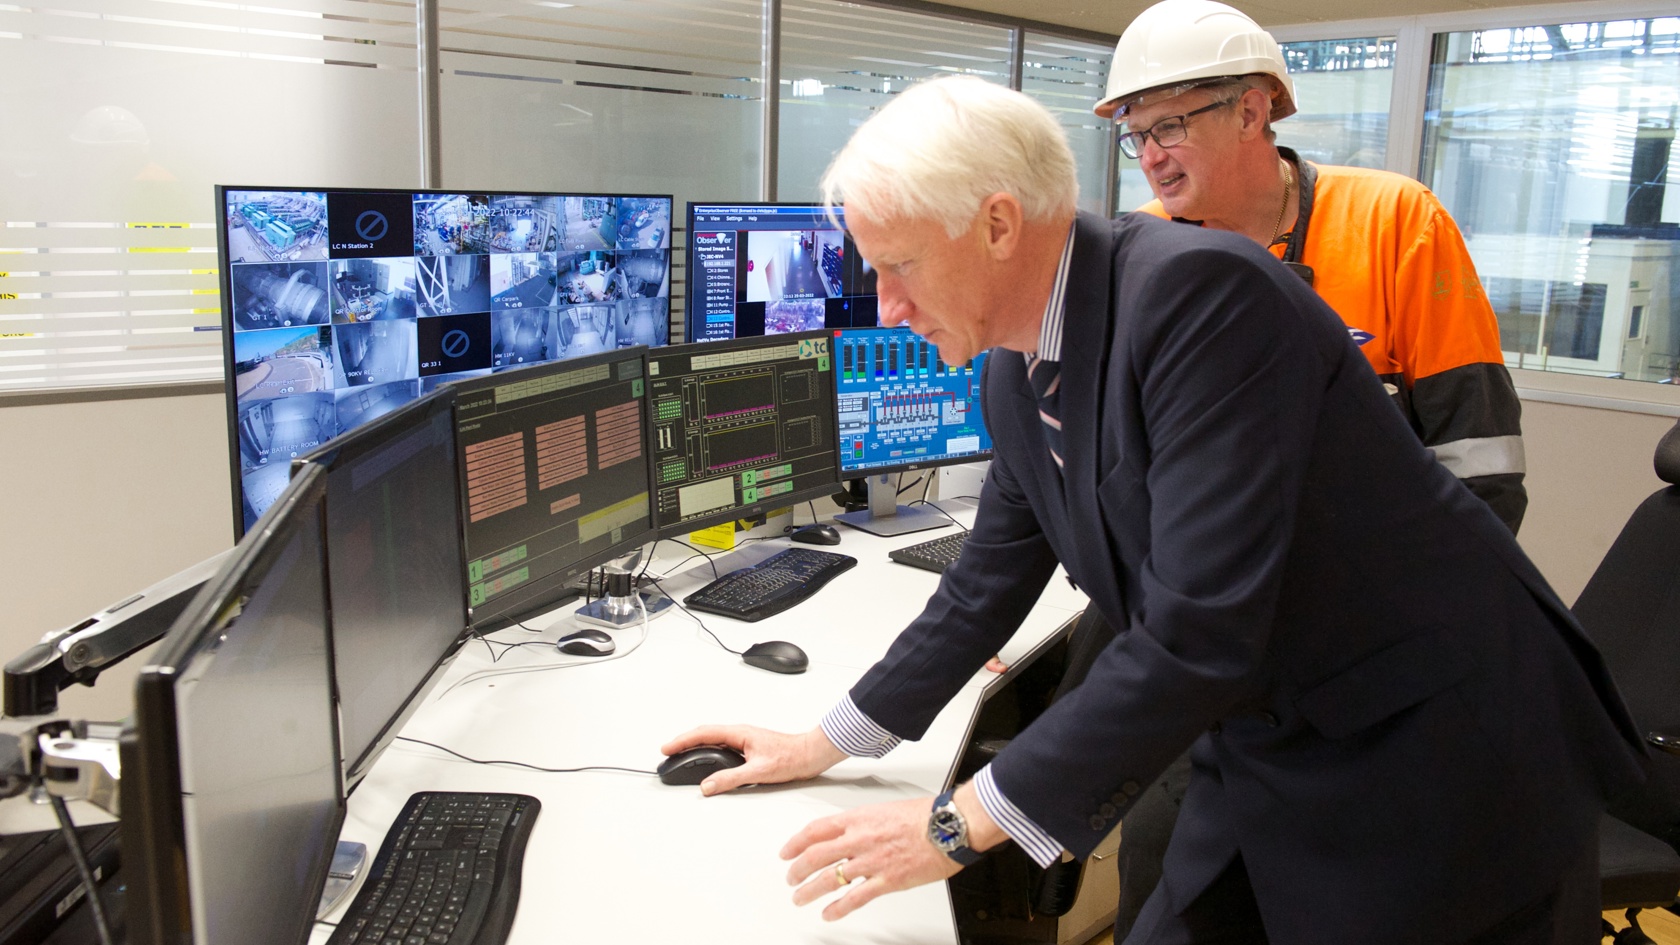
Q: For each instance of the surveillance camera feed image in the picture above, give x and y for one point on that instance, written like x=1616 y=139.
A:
x=771 y=269
x=341 y=305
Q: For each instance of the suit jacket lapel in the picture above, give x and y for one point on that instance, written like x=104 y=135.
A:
x=1087 y=334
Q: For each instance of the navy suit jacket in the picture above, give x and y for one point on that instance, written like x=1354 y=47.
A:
x=1396 y=723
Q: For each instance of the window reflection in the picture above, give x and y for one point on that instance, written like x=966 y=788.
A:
x=1552 y=146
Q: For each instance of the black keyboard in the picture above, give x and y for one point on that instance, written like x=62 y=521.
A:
x=935 y=554
x=447 y=873
x=771 y=586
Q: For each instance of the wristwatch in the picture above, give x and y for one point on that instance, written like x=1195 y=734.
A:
x=949 y=831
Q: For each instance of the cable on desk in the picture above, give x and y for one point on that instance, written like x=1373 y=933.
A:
x=522 y=764
x=574 y=661
x=941 y=511
x=696 y=619
x=79 y=857
x=710 y=559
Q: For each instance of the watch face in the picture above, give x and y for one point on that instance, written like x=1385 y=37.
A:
x=946 y=829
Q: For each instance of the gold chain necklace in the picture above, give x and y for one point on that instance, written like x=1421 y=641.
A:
x=1288 y=185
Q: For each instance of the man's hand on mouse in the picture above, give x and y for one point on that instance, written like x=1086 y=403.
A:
x=878 y=849
x=772 y=757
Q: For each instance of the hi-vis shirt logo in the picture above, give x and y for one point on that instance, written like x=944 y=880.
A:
x=1360 y=337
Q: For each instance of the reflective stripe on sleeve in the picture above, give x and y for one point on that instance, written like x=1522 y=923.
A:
x=1484 y=456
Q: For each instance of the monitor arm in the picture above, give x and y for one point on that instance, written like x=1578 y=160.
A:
x=73 y=760
x=78 y=653
x=42 y=751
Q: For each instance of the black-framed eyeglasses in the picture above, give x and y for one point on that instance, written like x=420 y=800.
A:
x=1168 y=132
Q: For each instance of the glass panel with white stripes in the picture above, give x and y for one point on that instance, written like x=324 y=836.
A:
x=842 y=61
x=121 y=115
x=1068 y=76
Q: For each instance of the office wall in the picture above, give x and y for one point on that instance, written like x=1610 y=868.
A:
x=1588 y=469
x=102 y=499
x=97 y=501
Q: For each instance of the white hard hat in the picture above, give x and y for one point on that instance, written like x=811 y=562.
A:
x=1183 y=42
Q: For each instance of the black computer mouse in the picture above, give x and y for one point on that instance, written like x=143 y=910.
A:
x=587 y=642
x=777 y=656
x=696 y=764
x=817 y=535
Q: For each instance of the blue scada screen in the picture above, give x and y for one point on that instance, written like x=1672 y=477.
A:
x=901 y=405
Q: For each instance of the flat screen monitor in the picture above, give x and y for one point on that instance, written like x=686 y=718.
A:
x=231 y=794
x=555 y=468
x=398 y=580
x=740 y=428
x=772 y=268
x=340 y=305
x=901 y=407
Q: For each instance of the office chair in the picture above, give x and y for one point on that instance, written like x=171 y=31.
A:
x=1631 y=609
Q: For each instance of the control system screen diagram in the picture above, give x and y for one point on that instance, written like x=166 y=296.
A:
x=554 y=471
x=901 y=406
x=740 y=426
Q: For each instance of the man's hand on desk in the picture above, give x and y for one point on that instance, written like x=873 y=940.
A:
x=772 y=757
x=878 y=849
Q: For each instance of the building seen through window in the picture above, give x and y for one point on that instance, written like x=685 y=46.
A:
x=1552 y=146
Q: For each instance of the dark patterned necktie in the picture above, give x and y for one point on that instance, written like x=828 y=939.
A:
x=1046 y=379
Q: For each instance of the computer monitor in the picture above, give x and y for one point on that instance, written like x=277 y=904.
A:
x=772 y=268
x=340 y=305
x=901 y=407
x=555 y=473
x=231 y=795
x=398 y=579
x=740 y=428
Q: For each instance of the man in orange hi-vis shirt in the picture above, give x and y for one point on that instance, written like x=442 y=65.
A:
x=1195 y=86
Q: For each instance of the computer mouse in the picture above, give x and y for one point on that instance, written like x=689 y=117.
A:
x=817 y=535
x=777 y=656
x=587 y=642
x=696 y=764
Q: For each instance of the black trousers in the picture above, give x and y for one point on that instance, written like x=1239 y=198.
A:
x=1226 y=913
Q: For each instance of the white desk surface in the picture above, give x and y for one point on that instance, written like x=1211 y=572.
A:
x=620 y=857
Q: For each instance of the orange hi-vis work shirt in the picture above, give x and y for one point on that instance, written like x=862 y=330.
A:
x=1389 y=259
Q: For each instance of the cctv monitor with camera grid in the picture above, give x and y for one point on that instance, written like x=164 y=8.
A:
x=341 y=305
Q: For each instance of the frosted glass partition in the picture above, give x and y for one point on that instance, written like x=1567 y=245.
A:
x=1068 y=76
x=1553 y=146
x=657 y=96
x=841 y=61
x=121 y=115
x=1342 y=93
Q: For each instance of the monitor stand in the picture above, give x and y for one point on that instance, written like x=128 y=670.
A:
x=347 y=862
x=622 y=605
x=886 y=517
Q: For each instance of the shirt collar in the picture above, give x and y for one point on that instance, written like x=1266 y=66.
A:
x=1050 y=334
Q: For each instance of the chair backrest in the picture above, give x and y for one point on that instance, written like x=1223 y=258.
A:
x=1631 y=609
